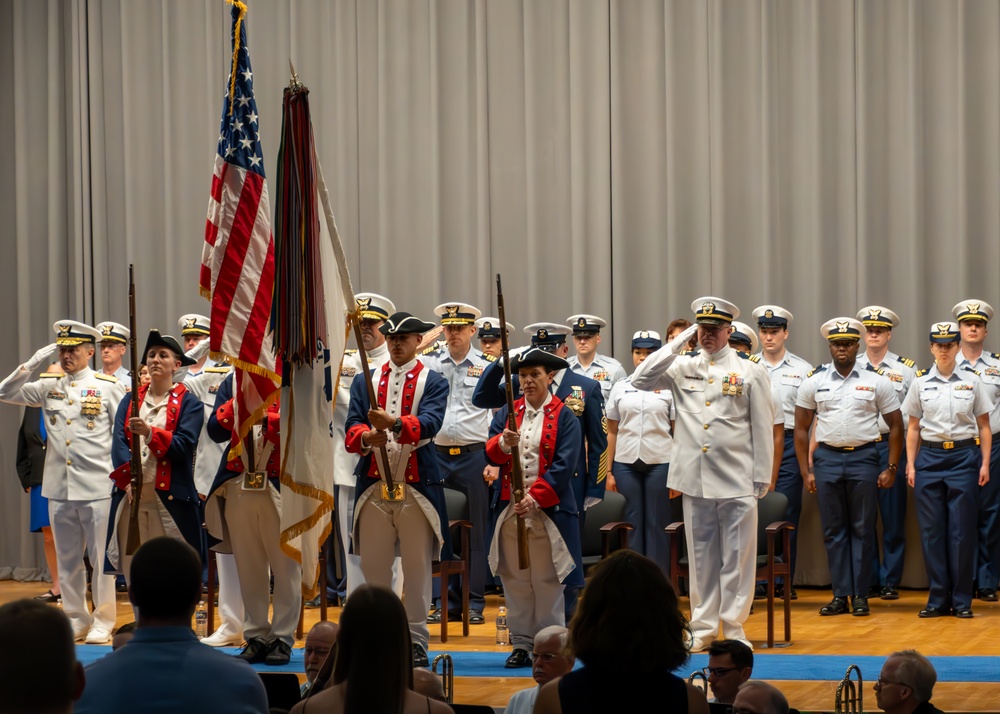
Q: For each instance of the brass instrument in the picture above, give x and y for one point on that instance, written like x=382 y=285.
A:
x=699 y=675
x=850 y=694
x=447 y=675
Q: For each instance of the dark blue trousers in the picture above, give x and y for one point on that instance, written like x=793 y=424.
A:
x=988 y=551
x=946 y=489
x=845 y=485
x=464 y=472
x=790 y=485
x=888 y=570
x=647 y=507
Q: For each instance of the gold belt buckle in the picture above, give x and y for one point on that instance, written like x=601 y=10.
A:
x=977 y=441
x=455 y=451
x=947 y=444
x=849 y=448
x=396 y=495
x=254 y=481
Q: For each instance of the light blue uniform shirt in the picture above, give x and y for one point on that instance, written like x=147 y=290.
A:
x=896 y=371
x=847 y=408
x=947 y=406
x=463 y=423
x=786 y=378
x=606 y=371
x=988 y=366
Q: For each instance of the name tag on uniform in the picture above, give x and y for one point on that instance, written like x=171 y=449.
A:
x=254 y=481
x=474 y=371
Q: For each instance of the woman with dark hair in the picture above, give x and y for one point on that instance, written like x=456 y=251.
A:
x=629 y=650
x=373 y=672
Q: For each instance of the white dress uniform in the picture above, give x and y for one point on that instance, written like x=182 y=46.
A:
x=79 y=414
x=721 y=462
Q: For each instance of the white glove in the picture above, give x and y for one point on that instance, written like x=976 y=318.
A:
x=760 y=490
x=590 y=501
x=40 y=357
x=198 y=351
x=679 y=343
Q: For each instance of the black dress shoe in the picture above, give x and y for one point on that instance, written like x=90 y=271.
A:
x=49 y=597
x=889 y=593
x=279 y=654
x=760 y=592
x=988 y=595
x=518 y=658
x=255 y=650
x=476 y=618
x=779 y=592
x=314 y=603
x=434 y=617
x=964 y=612
x=859 y=607
x=931 y=611
x=837 y=606
x=420 y=656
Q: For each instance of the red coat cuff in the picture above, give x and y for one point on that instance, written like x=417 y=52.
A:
x=226 y=414
x=122 y=476
x=543 y=493
x=410 y=434
x=159 y=441
x=353 y=439
x=493 y=451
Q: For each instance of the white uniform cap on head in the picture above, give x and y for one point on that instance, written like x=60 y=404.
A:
x=972 y=310
x=714 y=311
x=70 y=333
x=585 y=324
x=741 y=328
x=843 y=328
x=457 y=313
x=193 y=324
x=374 y=306
x=113 y=332
x=772 y=316
x=878 y=316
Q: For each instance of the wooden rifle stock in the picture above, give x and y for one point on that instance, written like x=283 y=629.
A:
x=372 y=400
x=516 y=473
x=135 y=463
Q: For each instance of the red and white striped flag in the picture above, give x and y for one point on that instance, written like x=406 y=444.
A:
x=237 y=260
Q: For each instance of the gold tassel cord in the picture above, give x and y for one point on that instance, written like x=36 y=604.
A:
x=242 y=7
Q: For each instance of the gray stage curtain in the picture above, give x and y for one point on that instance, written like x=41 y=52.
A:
x=618 y=157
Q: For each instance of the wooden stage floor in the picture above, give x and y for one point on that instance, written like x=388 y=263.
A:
x=892 y=626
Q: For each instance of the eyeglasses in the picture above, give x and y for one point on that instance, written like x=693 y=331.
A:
x=882 y=682
x=718 y=671
x=546 y=657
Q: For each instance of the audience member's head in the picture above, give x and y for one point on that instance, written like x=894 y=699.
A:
x=615 y=628
x=321 y=639
x=907 y=680
x=757 y=697
x=730 y=664
x=427 y=683
x=374 y=651
x=122 y=635
x=165 y=583
x=550 y=656
x=40 y=671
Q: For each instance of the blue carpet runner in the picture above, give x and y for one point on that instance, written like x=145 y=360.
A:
x=766 y=666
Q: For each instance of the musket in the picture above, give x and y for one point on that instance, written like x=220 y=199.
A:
x=516 y=473
x=391 y=490
x=135 y=462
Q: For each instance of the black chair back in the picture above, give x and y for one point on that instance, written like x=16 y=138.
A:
x=610 y=510
x=770 y=509
x=456 y=505
x=282 y=689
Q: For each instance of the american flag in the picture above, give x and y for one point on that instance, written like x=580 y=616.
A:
x=237 y=261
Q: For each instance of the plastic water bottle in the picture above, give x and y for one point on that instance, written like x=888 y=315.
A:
x=503 y=634
x=201 y=620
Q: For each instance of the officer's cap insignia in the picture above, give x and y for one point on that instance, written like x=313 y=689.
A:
x=64 y=330
x=363 y=303
x=190 y=322
x=943 y=327
x=543 y=334
x=106 y=330
x=708 y=308
x=842 y=326
x=973 y=308
x=582 y=322
x=487 y=325
x=452 y=310
x=768 y=313
x=644 y=335
x=873 y=313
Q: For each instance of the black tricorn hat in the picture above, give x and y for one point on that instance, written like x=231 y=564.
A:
x=403 y=323
x=155 y=339
x=537 y=357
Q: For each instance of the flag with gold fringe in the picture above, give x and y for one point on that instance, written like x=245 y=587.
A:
x=312 y=299
x=237 y=265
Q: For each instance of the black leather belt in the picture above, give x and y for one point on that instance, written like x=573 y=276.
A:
x=949 y=445
x=789 y=432
x=847 y=449
x=456 y=450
